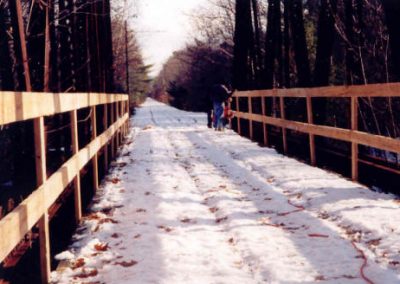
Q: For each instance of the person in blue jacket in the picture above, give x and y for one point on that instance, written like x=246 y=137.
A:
x=219 y=94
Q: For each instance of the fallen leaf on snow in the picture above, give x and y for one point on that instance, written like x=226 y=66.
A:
x=166 y=229
x=127 y=263
x=108 y=220
x=137 y=236
x=213 y=209
x=101 y=247
x=86 y=274
x=141 y=210
x=219 y=220
x=115 y=180
x=78 y=263
x=374 y=242
x=115 y=236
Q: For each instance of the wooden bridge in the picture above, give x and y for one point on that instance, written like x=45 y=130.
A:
x=351 y=135
x=36 y=209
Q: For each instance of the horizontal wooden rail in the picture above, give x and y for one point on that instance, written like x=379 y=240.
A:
x=353 y=135
x=373 y=90
x=15 y=106
x=366 y=139
x=17 y=223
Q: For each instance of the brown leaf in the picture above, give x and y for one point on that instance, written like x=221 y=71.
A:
x=375 y=242
x=127 y=263
x=115 y=180
x=186 y=220
x=166 y=229
x=140 y=210
x=86 y=274
x=115 y=236
x=101 y=247
x=213 y=209
x=108 y=220
x=78 y=263
x=137 y=236
x=219 y=220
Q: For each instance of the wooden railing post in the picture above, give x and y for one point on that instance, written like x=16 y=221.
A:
x=310 y=119
x=95 y=163
x=105 y=126
x=265 y=127
x=283 y=116
x=249 y=101
x=117 y=114
x=112 y=119
x=354 y=146
x=41 y=176
x=238 y=119
x=77 y=179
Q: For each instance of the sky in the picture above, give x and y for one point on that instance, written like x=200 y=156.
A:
x=163 y=26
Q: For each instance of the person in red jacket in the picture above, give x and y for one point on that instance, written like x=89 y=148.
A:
x=228 y=112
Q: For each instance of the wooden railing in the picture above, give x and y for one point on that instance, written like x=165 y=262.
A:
x=17 y=107
x=352 y=135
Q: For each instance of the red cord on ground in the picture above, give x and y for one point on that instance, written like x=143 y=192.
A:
x=299 y=209
x=318 y=236
x=369 y=281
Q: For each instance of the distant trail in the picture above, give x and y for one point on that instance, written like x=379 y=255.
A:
x=199 y=206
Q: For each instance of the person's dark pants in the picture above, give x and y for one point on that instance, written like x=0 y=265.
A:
x=218 y=112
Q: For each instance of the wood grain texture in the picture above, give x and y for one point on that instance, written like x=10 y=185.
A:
x=20 y=106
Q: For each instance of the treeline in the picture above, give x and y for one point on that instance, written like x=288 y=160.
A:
x=263 y=44
x=317 y=43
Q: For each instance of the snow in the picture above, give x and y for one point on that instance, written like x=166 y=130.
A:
x=186 y=204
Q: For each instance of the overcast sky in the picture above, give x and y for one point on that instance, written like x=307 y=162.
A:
x=163 y=26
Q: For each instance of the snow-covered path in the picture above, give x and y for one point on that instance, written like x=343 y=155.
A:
x=185 y=204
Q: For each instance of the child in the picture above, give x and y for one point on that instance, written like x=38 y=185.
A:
x=228 y=113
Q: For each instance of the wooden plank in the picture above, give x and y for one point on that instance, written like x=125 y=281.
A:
x=284 y=132
x=77 y=179
x=366 y=139
x=237 y=117
x=105 y=126
x=41 y=176
x=95 y=161
x=113 y=152
x=265 y=128
x=371 y=90
x=249 y=101
x=18 y=222
x=354 y=145
x=16 y=106
x=44 y=242
x=311 y=137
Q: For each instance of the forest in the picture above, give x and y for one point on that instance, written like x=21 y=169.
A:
x=288 y=44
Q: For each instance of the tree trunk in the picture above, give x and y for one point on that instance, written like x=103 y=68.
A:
x=243 y=39
x=392 y=13
x=286 y=44
x=273 y=45
x=326 y=37
x=300 y=44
